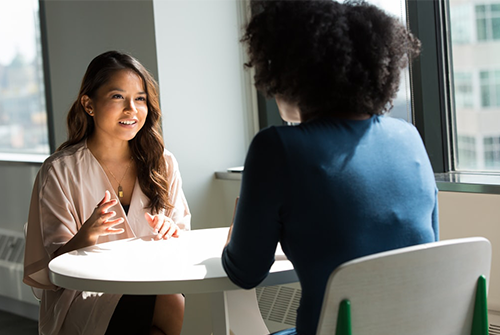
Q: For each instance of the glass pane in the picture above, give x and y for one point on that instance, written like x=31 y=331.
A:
x=463 y=85
x=462 y=29
x=485 y=96
x=495 y=28
x=476 y=74
x=467 y=151
x=23 y=115
x=402 y=104
x=495 y=9
x=481 y=30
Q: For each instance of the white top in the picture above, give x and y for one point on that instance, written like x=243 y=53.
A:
x=189 y=264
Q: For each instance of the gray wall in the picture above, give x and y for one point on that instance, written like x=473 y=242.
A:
x=77 y=31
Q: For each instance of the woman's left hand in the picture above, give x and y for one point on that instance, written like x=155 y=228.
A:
x=163 y=226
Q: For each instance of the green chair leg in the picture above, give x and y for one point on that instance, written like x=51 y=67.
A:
x=480 y=319
x=344 y=319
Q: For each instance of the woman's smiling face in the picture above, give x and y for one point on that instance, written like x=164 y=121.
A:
x=119 y=108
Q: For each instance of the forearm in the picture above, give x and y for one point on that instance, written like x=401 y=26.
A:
x=80 y=240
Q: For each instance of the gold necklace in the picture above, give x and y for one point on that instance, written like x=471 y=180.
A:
x=120 y=189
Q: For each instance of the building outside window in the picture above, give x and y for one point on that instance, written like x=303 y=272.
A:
x=23 y=112
x=475 y=46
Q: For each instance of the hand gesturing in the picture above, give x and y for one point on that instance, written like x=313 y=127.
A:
x=99 y=222
x=163 y=226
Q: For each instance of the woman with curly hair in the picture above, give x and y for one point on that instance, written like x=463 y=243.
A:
x=112 y=179
x=348 y=181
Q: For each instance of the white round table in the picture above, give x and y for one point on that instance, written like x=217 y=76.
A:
x=190 y=264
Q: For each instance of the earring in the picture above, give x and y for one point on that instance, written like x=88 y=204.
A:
x=91 y=113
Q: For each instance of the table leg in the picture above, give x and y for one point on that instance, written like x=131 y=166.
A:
x=244 y=313
x=223 y=313
x=219 y=311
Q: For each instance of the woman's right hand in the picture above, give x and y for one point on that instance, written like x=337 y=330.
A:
x=100 y=223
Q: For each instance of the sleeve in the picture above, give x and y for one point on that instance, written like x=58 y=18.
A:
x=51 y=223
x=180 y=214
x=257 y=223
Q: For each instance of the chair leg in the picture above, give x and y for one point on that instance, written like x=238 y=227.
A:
x=344 y=319
x=480 y=319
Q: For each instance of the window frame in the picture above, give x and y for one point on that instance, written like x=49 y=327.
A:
x=430 y=80
x=39 y=158
x=433 y=99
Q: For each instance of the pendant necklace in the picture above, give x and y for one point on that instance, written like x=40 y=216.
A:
x=120 y=189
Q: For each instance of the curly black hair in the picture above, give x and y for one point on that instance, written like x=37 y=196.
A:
x=330 y=58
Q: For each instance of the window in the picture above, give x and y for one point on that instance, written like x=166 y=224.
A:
x=490 y=88
x=23 y=112
x=488 y=22
x=467 y=151
x=476 y=76
x=464 y=90
x=492 y=152
x=463 y=25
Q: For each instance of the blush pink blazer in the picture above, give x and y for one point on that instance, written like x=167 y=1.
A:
x=67 y=188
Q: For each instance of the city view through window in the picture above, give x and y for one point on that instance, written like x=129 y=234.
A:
x=475 y=35
x=23 y=114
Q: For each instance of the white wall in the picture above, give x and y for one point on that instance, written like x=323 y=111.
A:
x=207 y=121
x=471 y=214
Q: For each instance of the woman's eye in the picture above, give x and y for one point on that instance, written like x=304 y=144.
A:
x=116 y=96
x=141 y=98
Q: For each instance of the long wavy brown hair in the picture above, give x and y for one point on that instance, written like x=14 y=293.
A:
x=147 y=146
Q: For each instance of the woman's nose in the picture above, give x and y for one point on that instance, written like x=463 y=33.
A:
x=130 y=106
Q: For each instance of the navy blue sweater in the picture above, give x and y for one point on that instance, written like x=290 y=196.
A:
x=330 y=190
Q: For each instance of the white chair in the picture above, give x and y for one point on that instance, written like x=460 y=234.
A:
x=37 y=292
x=427 y=289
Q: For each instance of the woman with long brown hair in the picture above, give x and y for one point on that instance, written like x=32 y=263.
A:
x=112 y=179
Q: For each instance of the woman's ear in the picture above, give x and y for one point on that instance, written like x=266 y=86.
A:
x=289 y=111
x=87 y=104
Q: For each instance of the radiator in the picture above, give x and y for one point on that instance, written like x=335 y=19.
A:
x=278 y=306
x=11 y=267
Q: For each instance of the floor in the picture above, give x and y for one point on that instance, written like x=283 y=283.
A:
x=11 y=324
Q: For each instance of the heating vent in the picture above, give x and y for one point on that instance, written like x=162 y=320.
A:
x=279 y=303
x=11 y=247
x=11 y=267
x=494 y=329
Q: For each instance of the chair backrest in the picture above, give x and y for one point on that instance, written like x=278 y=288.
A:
x=426 y=289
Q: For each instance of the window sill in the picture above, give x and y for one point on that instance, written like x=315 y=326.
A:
x=469 y=182
x=228 y=175
x=23 y=158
